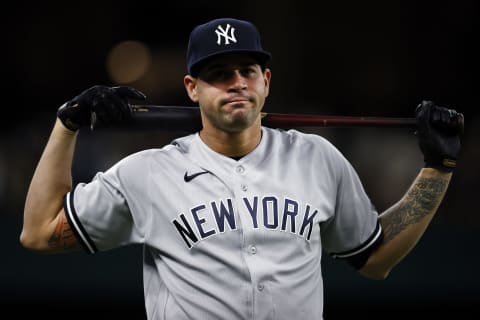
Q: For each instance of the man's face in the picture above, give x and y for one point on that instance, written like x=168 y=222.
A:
x=231 y=91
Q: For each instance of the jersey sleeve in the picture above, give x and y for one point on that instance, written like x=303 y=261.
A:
x=99 y=212
x=354 y=230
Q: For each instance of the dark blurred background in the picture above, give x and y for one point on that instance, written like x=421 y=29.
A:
x=339 y=58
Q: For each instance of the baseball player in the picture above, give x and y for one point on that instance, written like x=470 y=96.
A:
x=233 y=218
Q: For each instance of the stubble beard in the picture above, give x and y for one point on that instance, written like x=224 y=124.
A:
x=235 y=122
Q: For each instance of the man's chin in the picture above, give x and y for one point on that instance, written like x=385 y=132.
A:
x=237 y=123
x=236 y=126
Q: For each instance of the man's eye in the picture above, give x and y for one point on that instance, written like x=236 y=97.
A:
x=248 y=71
x=218 y=74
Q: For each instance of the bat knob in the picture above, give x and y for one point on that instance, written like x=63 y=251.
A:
x=460 y=123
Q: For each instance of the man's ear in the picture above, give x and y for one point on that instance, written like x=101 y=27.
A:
x=267 y=75
x=190 y=84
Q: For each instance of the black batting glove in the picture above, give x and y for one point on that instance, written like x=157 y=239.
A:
x=98 y=106
x=438 y=131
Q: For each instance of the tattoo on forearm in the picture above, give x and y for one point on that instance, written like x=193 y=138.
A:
x=421 y=200
x=63 y=237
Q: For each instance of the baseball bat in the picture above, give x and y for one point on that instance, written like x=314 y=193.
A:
x=187 y=119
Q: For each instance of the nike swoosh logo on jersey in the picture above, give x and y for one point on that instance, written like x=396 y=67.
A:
x=189 y=178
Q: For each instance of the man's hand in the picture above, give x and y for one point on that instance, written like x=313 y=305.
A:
x=98 y=105
x=438 y=135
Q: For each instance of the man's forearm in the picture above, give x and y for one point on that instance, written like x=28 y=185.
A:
x=405 y=222
x=422 y=200
x=50 y=182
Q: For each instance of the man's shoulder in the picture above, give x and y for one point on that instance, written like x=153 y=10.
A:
x=176 y=146
x=294 y=136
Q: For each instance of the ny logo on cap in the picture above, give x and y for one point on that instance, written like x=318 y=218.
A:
x=224 y=33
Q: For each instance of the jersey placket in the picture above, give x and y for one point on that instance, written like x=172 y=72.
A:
x=260 y=295
x=237 y=177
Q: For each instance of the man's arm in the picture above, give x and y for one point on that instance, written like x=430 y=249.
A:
x=405 y=222
x=45 y=228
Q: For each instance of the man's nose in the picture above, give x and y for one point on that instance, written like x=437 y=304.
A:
x=238 y=81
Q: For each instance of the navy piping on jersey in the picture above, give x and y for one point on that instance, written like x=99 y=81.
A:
x=75 y=224
x=376 y=236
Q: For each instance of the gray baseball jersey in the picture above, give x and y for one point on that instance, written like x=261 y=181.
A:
x=228 y=239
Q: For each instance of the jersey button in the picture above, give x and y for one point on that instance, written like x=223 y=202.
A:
x=252 y=249
x=243 y=187
x=240 y=169
x=260 y=287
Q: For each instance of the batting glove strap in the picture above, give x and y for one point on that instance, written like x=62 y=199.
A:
x=70 y=118
x=447 y=165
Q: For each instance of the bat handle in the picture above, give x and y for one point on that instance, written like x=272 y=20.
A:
x=166 y=118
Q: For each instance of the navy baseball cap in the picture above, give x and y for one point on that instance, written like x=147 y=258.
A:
x=221 y=36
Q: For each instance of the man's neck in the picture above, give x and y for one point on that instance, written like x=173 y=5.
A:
x=232 y=144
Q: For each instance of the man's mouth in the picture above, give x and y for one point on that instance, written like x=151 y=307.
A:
x=236 y=100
